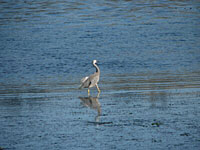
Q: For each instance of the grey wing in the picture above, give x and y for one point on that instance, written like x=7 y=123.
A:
x=94 y=79
x=84 y=79
x=85 y=82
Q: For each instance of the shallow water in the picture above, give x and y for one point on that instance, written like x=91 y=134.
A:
x=149 y=56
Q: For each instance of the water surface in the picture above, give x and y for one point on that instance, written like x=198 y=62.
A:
x=149 y=56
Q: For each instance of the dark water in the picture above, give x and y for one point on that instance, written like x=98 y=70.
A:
x=149 y=56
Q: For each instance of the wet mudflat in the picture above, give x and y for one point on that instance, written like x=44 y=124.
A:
x=149 y=56
x=132 y=112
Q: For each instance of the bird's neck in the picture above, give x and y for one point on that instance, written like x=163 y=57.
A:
x=97 y=68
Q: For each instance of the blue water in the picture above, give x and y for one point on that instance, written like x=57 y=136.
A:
x=149 y=56
x=41 y=39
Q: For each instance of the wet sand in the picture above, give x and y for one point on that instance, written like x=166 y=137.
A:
x=133 y=111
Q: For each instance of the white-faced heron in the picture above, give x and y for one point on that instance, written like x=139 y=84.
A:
x=92 y=80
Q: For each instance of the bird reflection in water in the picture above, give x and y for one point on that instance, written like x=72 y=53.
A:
x=93 y=103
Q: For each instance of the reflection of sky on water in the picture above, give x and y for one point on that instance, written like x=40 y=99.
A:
x=42 y=39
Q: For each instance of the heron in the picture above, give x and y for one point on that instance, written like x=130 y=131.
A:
x=92 y=80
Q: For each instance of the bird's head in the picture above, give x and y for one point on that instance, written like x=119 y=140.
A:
x=94 y=61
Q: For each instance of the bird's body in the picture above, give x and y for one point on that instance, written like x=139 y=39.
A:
x=92 y=80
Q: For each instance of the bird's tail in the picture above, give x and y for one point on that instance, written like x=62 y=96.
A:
x=83 y=80
x=80 y=86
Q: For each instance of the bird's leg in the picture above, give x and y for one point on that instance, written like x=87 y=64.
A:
x=98 y=88
x=88 y=91
x=98 y=95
